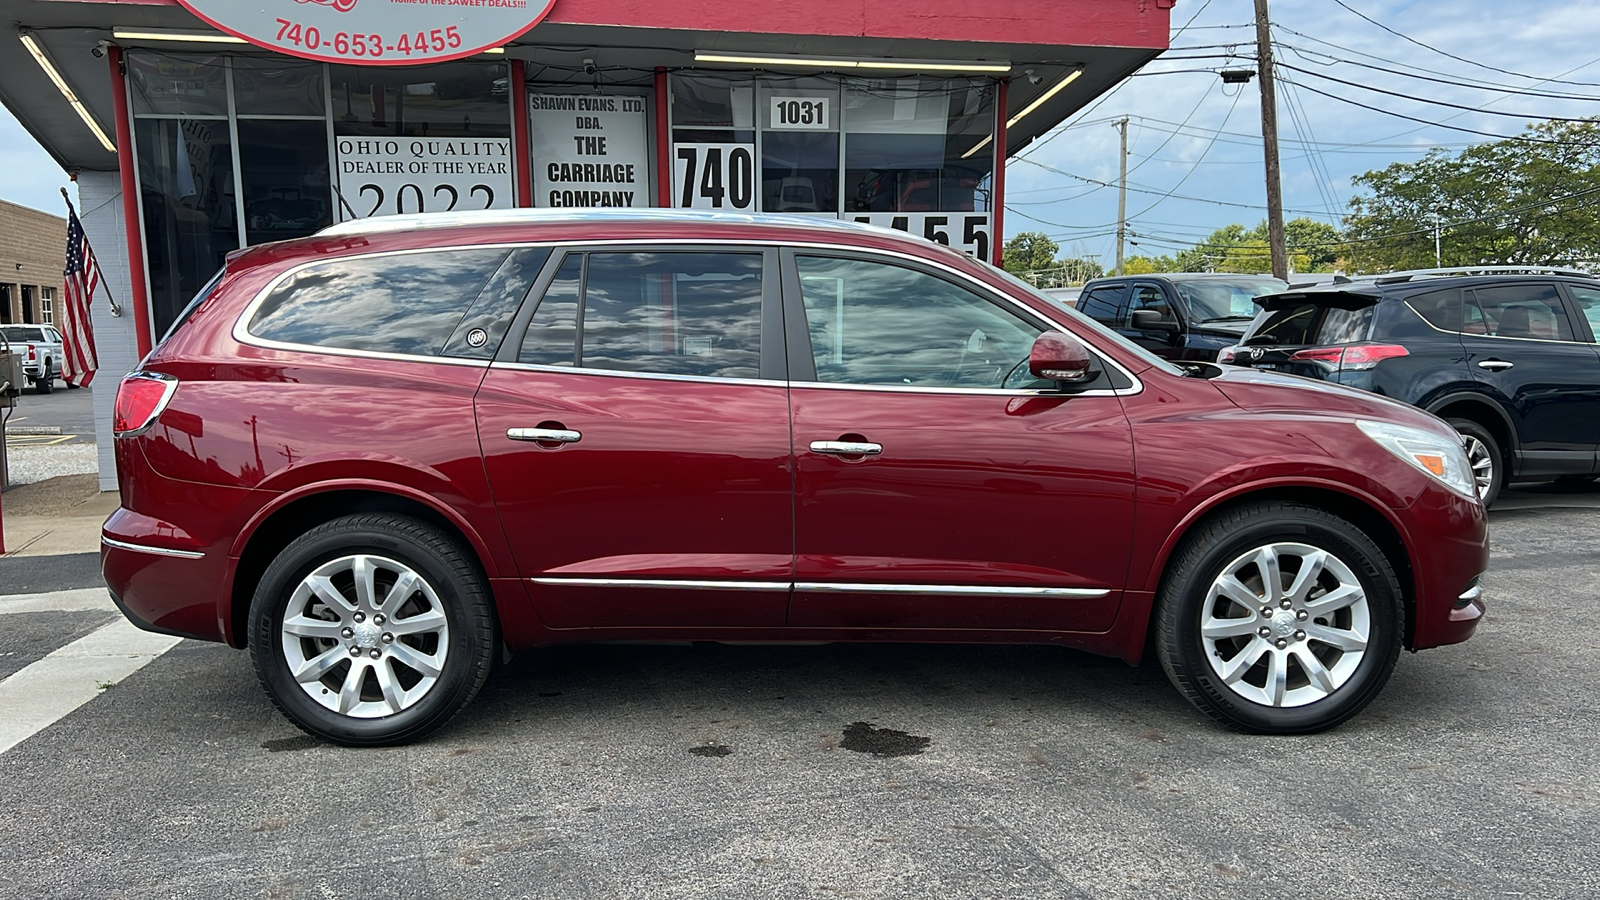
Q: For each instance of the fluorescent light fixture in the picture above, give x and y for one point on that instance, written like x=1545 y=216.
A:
x=978 y=146
x=495 y=50
x=1040 y=100
x=813 y=62
x=191 y=37
x=61 y=85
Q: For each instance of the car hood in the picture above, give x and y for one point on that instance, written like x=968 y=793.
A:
x=1270 y=392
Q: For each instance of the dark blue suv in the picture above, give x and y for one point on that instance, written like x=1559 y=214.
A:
x=1508 y=359
x=1177 y=315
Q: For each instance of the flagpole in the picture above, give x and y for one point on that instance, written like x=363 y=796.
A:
x=116 y=309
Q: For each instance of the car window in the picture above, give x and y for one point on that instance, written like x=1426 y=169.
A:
x=1589 y=302
x=1107 y=304
x=879 y=323
x=1148 y=296
x=407 y=303
x=668 y=313
x=481 y=330
x=1524 y=311
x=22 y=333
x=1215 y=300
x=1443 y=310
x=1309 y=322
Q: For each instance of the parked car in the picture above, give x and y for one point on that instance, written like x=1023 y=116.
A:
x=41 y=352
x=387 y=454
x=1178 y=315
x=1508 y=359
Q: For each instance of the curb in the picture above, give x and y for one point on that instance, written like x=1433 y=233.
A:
x=33 y=429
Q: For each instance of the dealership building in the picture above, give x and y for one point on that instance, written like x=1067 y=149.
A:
x=196 y=128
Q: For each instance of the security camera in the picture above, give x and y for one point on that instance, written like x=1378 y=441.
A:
x=589 y=68
x=1033 y=77
x=99 y=50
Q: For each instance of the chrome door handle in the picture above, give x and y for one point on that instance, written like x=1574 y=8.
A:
x=846 y=448
x=1495 y=365
x=552 y=435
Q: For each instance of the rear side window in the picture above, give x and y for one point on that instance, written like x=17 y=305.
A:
x=407 y=303
x=1523 y=311
x=1303 y=323
x=669 y=313
x=18 y=333
x=1589 y=302
x=1443 y=310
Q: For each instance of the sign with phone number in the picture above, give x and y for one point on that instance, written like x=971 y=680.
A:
x=374 y=32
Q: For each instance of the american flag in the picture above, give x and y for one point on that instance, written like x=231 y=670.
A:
x=81 y=278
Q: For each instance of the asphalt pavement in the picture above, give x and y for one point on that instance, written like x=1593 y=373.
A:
x=826 y=771
x=60 y=417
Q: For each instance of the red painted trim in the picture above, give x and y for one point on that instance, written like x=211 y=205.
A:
x=663 y=141
x=997 y=245
x=520 y=132
x=131 y=214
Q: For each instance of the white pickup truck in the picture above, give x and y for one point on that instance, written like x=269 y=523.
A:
x=41 y=352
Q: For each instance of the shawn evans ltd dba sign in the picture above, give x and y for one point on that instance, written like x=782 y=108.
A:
x=589 y=150
x=374 y=32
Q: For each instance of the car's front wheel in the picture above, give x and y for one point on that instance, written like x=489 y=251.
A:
x=1279 y=618
x=372 y=629
x=1483 y=452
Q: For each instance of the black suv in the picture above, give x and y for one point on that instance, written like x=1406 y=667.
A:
x=1177 y=315
x=1509 y=360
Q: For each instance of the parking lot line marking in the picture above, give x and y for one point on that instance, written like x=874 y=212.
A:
x=40 y=694
x=57 y=601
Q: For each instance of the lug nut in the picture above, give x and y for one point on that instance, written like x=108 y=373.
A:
x=375 y=653
x=1264 y=631
x=1282 y=643
x=354 y=650
x=378 y=619
x=1299 y=635
x=347 y=632
x=1285 y=604
x=359 y=617
x=1302 y=615
x=388 y=638
x=1266 y=611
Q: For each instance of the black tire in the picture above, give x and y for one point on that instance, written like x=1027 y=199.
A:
x=465 y=635
x=1476 y=436
x=1186 y=595
x=47 y=379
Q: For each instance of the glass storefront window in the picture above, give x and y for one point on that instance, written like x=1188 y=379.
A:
x=713 y=109
x=799 y=145
x=186 y=183
x=284 y=169
x=918 y=145
x=164 y=84
x=273 y=87
x=460 y=99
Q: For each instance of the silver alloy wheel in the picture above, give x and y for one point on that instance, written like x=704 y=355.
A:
x=365 y=636
x=1482 y=463
x=1285 y=624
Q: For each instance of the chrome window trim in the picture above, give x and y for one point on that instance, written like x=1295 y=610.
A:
x=1498 y=337
x=157 y=551
x=623 y=373
x=826 y=587
x=684 y=584
x=243 y=336
x=957 y=590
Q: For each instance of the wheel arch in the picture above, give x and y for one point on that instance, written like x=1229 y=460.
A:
x=295 y=513
x=1361 y=512
x=1484 y=411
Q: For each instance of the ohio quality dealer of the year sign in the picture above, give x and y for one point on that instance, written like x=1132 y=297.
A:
x=374 y=32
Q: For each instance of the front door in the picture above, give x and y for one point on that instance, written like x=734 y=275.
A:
x=937 y=485
x=637 y=442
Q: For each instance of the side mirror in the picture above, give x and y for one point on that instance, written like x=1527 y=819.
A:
x=1153 y=320
x=1061 y=357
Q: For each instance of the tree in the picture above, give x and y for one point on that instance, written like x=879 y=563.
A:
x=1313 y=247
x=1529 y=201
x=1029 y=251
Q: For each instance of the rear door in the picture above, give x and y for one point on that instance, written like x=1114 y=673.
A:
x=936 y=485
x=636 y=437
x=1536 y=361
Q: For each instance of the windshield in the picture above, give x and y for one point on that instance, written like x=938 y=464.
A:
x=1213 y=300
x=23 y=333
x=1087 y=324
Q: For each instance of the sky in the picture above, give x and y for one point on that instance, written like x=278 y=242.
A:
x=1191 y=136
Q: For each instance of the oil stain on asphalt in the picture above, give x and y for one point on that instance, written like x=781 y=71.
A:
x=711 y=750
x=862 y=737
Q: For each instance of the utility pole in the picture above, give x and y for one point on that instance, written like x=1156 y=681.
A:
x=1122 y=192
x=1438 y=225
x=1269 y=141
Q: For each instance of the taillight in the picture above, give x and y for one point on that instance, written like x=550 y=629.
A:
x=1352 y=356
x=1226 y=354
x=30 y=353
x=140 y=399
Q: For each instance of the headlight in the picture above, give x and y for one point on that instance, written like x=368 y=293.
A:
x=1440 y=457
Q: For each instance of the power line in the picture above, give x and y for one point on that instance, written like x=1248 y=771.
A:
x=1377 y=109
x=1305 y=53
x=1476 y=109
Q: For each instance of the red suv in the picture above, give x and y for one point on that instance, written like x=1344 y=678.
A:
x=383 y=456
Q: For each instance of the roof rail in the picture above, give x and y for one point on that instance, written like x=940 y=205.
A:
x=524 y=216
x=1407 y=275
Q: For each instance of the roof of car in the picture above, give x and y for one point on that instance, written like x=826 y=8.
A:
x=490 y=217
x=1406 y=283
x=1190 y=276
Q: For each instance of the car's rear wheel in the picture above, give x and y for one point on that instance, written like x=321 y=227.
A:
x=1279 y=618
x=1483 y=452
x=47 y=379
x=372 y=629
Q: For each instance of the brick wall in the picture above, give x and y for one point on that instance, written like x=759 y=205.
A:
x=100 y=210
x=33 y=247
